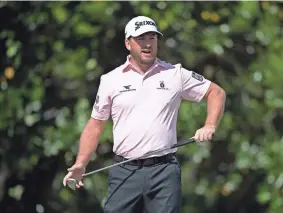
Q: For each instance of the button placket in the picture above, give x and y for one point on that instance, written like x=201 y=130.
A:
x=149 y=72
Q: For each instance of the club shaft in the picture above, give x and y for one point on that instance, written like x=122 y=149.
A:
x=191 y=140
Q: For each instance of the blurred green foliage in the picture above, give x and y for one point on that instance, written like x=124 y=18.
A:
x=52 y=55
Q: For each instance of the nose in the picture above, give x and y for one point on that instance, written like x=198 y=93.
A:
x=148 y=45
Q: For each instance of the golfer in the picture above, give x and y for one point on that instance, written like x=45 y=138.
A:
x=142 y=97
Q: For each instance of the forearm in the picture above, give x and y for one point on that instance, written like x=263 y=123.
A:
x=89 y=141
x=215 y=106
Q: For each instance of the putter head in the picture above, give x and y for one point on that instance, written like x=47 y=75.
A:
x=71 y=183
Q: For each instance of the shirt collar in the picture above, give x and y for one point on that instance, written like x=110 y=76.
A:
x=127 y=66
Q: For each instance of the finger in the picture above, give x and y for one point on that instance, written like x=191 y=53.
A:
x=201 y=135
x=210 y=135
x=78 y=185
x=71 y=169
x=64 y=182
x=66 y=178
x=81 y=183
x=205 y=135
x=196 y=137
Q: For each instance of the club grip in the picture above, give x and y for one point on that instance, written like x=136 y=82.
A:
x=191 y=140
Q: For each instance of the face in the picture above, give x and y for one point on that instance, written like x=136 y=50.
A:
x=143 y=48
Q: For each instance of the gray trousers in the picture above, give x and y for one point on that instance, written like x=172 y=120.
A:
x=153 y=189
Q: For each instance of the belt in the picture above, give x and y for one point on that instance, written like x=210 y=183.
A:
x=146 y=162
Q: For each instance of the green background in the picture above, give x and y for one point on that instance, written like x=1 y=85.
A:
x=52 y=56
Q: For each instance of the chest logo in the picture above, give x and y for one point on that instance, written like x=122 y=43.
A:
x=127 y=88
x=162 y=85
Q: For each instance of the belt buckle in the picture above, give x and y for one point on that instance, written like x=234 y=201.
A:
x=151 y=161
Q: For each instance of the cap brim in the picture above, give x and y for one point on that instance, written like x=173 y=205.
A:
x=144 y=30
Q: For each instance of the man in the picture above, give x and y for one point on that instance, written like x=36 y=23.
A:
x=142 y=97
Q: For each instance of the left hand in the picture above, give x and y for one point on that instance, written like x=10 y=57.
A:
x=205 y=133
x=75 y=172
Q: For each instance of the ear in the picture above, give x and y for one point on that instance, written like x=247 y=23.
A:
x=127 y=44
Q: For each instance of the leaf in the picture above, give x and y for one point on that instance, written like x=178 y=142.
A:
x=60 y=14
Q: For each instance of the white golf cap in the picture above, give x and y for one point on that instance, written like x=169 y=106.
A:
x=140 y=25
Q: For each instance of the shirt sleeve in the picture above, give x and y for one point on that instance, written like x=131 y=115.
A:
x=194 y=85
x=102 y=105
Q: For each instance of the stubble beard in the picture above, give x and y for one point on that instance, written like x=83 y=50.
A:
x=143 y=61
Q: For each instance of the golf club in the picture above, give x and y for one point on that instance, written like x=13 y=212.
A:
x=72 y=182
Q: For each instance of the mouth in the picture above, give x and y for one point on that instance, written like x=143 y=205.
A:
x=146 y=52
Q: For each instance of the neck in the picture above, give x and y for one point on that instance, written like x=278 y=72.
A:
x=141 y=67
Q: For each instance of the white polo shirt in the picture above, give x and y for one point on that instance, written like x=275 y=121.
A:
x=144 y=107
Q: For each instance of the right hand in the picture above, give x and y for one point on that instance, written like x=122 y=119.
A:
x=76 y=172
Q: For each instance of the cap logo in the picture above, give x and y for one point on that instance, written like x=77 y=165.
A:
x=138 y=24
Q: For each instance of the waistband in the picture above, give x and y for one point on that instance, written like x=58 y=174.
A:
x=146 y=162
